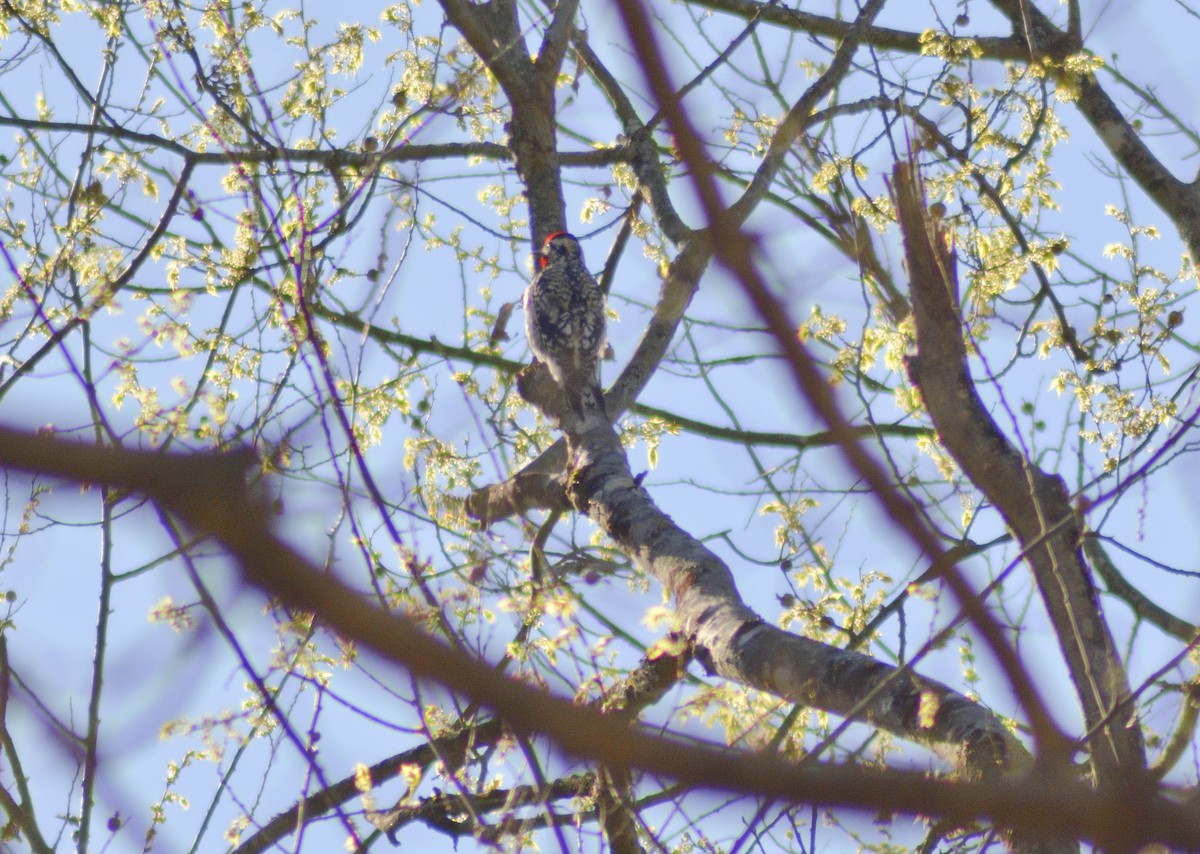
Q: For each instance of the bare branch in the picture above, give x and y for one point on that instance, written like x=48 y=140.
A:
x=20 y=813
x=1035 y=505
x=880 y=37
x=539 y=484
x=1178 y=199
x=733 y=249
x=1053 y=806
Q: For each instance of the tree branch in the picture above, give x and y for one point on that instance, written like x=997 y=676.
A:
x=995 y=47
x=493 y=33
x=733 y=642
x=19 y=812
x=539 y=484
x=217 y=503
x=647 y=165
x=734 y=250
x=1178 y=199
x=1034 y=504
x=451 y=748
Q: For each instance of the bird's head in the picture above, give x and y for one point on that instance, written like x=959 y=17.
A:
x=559 y=246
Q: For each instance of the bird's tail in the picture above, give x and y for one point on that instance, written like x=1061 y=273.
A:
x=588 y=402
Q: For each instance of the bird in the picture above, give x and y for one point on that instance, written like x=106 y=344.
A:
x=565 y=323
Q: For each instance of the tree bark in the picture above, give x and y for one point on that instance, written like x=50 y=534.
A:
x=1035 y=505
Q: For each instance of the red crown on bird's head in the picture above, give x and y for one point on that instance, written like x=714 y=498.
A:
x=542 y=259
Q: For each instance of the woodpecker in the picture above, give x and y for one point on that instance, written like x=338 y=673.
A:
x=564 y=322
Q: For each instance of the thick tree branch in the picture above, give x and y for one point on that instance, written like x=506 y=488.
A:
x=453 y=814
x=539 y=484
x=1035 y=505
x=217 y=503
x=451 y=748
x=735 y=643
x=493 y=31
x=557 y=38
x=733 y=250
x=1141 y=605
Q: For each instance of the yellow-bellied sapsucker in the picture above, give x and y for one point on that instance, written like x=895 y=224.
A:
x=564 y=322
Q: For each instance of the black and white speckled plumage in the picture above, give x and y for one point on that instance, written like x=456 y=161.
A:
x=565 y=324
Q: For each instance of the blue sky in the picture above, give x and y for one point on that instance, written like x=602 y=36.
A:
x=156 y=675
